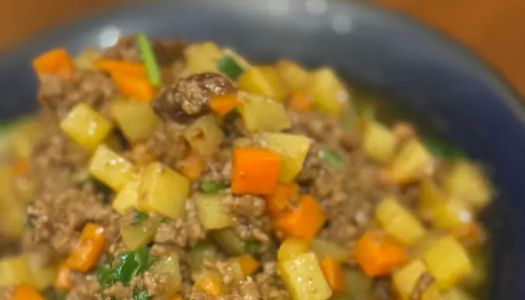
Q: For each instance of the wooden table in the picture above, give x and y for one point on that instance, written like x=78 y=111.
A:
x=495 y=29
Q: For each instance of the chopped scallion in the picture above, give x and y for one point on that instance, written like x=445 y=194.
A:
x=330 y=157
x=230 y=67
x=212 y=186
x=149 y=59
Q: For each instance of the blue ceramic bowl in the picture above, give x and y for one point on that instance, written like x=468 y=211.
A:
x=454 y=92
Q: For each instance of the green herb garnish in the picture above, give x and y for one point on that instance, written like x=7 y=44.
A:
x=139 y=217
x=331 y=158
x=106 y=276
x=149 y=59
x=212 y=186
x=251 y=247
x=141 y=296
x=442 y=149
x=132 y=263
x=230 y=67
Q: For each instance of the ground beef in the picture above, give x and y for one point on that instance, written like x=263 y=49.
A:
x=84 y=287
x=165 y=144
x=59 y=96
x=188 y=97
x=184 y=231
x=124 y=49
x=167 y=51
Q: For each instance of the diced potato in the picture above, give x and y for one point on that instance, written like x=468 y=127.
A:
x=228 y=241
x=14 y=270
x=21 y=137
x=357 y=285
x=291 y=248
x=295 y=76
x=135 y=236
x=303 y=278
x=479 y=275
x=111 y=168
x=261 y=114
x=466 y=183
x=330 y=95
x=85 y=59
x=379 y=143
x=324 y=248
x=204 y=135
x=292 y=149
x=136 y=119
x=405 y=279
x=210 y=283
x=263 y=80
x=204 y=250
x=451 y=214
x=12 y=216
x=399 y=221
x=457 y=294
x=42 y=275
x=203 y=57
x=448 y=262
x=86 y=126
x=431 y=195
x=168 y=267
x=212 y=211
x=127 y=198
x=163 y=190
x=411 y=162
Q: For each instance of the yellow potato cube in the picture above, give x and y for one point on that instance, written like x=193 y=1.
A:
x=110 y=168
x=127 y=198
x=204 y=135
x=399 y=221
x=410 y=163
x=379 y=143
x=405 y=279
x=163 y=190
x=329 y=93
x=447 y=261
x=261 y=114
x=14 y=270
x=466 y=183
x=295 y=76
x=291 y=248
x=135 y=236
x=303 y=278
x=136 y=119
x=86 y=126
x=212 y=211
x=264 y=81
x=203 y=57
x=292 y=149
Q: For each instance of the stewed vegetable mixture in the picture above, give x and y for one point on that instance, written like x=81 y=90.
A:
x=158 y=169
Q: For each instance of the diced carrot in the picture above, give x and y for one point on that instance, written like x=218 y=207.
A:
x=302 y=222
x=121 y=67
x=88 y=249
x=138 y=88
x=63 y=279
x=20 y=167
x=192 y=166
x=223 y=104
x=26 y=292
x=248 y=264
x=333 y=272
x=54 y=62
x=378 y=254
x=301 y=102
x=277 y=202
x=255 y=171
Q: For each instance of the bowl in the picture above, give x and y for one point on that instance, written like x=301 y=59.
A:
x=454 y=92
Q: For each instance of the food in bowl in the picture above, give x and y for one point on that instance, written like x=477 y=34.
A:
x=158 y=169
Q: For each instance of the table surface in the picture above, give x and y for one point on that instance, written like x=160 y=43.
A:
x=495 y=29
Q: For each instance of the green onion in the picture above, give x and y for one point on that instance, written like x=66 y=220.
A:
x=212 y=186
x=105 y=275
x=330 y=157
x=141 y=296
x=139 y=217
x=251 y=247
x=230 y=67
x=132 y=263
x=148 y=57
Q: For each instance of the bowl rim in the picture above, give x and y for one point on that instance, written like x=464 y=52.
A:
x=499 y=82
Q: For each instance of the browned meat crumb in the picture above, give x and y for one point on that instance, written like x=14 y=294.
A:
x=188 y=97
x=124 y=49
